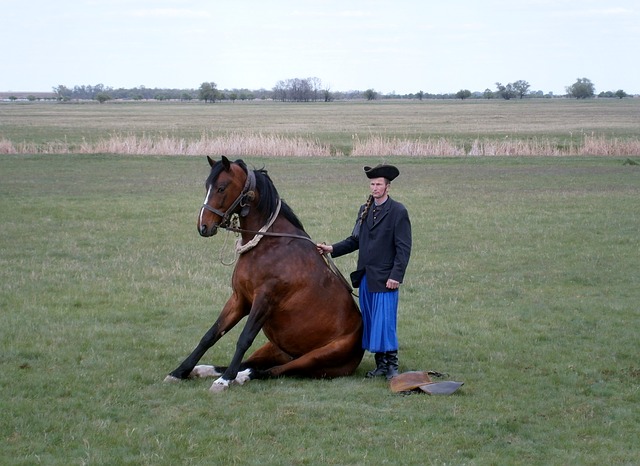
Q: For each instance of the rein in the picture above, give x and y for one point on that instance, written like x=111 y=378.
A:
x=268 y=233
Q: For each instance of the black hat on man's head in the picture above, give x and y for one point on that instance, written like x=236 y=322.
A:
x=382 y=171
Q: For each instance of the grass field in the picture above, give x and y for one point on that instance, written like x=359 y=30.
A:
x=547 y=124
x=523 y=283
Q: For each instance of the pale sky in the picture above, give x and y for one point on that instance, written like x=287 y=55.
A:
x=387 y=45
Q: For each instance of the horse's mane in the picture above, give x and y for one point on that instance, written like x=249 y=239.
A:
x=269 y=196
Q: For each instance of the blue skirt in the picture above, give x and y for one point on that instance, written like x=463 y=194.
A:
x=379 y=316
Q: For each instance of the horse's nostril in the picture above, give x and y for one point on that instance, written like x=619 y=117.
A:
x=203 y=229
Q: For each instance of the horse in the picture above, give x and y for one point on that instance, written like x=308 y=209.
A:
x=281 y=284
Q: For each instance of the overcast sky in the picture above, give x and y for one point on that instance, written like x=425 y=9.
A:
x=393 y=45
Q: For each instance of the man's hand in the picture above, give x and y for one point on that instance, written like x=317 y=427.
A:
x=324 y=248
x=392 y=284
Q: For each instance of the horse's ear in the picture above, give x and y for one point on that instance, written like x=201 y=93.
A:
x=211 y=161
x=225 y=163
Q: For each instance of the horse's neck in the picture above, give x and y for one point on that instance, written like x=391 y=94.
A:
x=253 y=222
x=256 y=221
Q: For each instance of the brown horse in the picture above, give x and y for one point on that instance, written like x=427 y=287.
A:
x=280 y=283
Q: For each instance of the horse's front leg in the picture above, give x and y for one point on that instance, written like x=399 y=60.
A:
x=255 y=321
x=231 y=314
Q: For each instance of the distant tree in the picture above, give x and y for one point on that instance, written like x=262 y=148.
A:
x=581 y=89
x=280 y=91
x=370 y=94
x=328 y=97
x=299 y=90
x=102 y=97
x=420 y=95
x=208 y=92
x=62 y=92
x=13 y=98
x=620 y=94
x=488 y=94
x=315 y=86
x=463 y=94
x=506 y=92
x=186 y=96
x=262 y=94
x=521 y=88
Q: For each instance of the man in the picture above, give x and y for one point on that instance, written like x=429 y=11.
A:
x=382 y=236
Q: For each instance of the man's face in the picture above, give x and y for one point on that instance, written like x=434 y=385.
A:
x=378 y=187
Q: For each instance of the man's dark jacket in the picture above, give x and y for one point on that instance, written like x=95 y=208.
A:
x=384 y=246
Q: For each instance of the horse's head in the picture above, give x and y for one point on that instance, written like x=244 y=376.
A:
x=229 y=189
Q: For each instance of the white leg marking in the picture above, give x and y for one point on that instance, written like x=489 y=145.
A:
x=243 y=376
x=221 y=384
x=203 y=371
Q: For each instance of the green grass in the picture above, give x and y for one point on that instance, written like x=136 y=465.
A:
x=523 y=283
x=562 y=121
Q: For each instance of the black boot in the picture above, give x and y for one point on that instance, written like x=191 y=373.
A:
x=392 y=364
x=381 y=365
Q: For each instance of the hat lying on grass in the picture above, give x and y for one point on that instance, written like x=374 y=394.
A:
x=420 y=380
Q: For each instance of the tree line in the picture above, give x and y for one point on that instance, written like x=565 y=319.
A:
x=583 y=88
x=313 y=90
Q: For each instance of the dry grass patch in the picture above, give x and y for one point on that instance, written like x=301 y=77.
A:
x=378 y=145
x=131 y=144
x=277 y=145
x=442 y=147
x=237 y=144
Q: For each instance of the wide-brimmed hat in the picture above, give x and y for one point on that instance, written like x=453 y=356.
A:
x=382 y=171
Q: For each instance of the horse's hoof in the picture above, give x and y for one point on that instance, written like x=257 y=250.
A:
x=171 y=379
x=242 y=377
x=219 y=386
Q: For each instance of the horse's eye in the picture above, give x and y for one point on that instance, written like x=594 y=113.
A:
x=220 y=189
